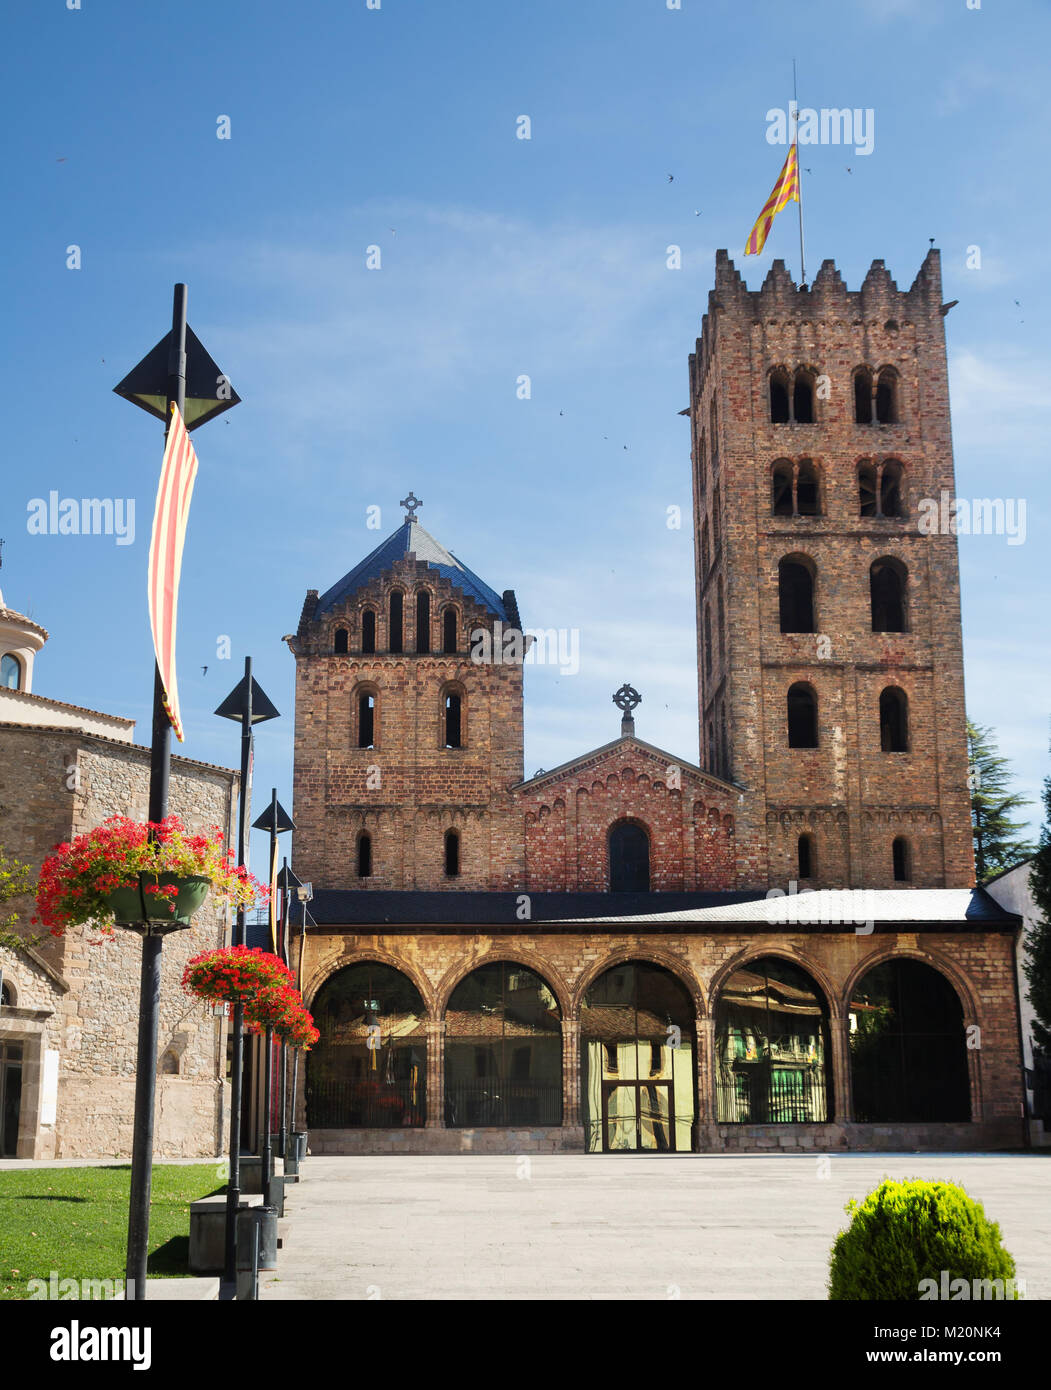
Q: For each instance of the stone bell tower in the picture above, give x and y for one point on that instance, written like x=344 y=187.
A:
x=408 y=725
x=829 y=640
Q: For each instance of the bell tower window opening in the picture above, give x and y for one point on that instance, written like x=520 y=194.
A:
x=452 y=853
x=366 y=720
x=340 y=644
x=863 y=396
x=368 y=632
x=887 y=397
x=795 y=589
x=802 y=716
x=397 y=614
x=894 y=720
x=453 y=720
x=803 y=399
x=805 y=856
x=900 y=857
x=364 y=855
x=423 y=621
x=449 y=626
x=779 y=411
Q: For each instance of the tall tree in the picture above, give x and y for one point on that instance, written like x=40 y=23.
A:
x=1037 y=965
x=997 y=843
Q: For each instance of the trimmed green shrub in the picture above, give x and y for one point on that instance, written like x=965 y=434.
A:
x=905 y=1232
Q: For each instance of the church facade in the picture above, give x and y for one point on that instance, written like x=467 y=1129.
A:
x=781 y=947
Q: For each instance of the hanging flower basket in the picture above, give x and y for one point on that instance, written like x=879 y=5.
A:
x=159 y=898
x=281 y=1009
x=133 y=874
x=235 y=975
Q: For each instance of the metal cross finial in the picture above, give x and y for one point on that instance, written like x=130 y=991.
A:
x=626 y=698
x=410 y=503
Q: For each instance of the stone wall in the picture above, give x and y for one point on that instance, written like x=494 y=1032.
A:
x=54 y=785
x=978 y=964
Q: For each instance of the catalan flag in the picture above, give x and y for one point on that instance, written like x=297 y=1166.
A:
x=786 y=190
x=178 y=472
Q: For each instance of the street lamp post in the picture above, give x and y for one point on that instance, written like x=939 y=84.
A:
x=177 y=371
x=305 y=893
x=247 y=705
x=287 y=880
x=276 y=820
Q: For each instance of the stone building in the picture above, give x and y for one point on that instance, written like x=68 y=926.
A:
x=69 y=1007
x=782 y=947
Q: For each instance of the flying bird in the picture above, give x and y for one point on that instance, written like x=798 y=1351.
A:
x=696 y=213
x=61 y=159
x=671 y=178
x=204 y=670
x=848 y=168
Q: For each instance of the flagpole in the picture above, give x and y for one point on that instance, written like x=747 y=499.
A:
x=799 y=177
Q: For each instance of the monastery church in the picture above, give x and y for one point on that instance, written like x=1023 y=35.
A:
x=779 y=948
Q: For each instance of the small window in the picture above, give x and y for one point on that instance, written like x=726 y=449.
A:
x=890 y=489
x=795 y=588
x=340 y=646
x=449 y=625
x=722 y=624
x=423 y=621
x=170 y=1064
x=867 y=493
x=366 y=721
x=887 y=595
x=368 y=631
x=863 y=397
x=778 y=398
x=10 y=672
x=887 y=397
x=713 y=422
x=894 y=720
x=397 y=610
x=808 y=490
x=901 y=858
x=7 y=998
x=781 y=495
x=805 y=856
x=803 y=399
x=802 y=716
x=706 y=550
x=453 y=721
x=364 y=856
x=452 y=854
x=707 y=641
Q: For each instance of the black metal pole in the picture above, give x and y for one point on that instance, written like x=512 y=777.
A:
x=233 y=1187
x=150 y=975
x=282 y=1103
x=299 y=986
x=268 y=1078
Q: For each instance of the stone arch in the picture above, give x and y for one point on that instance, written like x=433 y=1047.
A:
x=956 y=977
x=540 y=965
x=783 y=952
x=649 y=955
x=325 y=971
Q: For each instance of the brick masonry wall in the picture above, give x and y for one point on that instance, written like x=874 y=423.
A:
x=979 y=965
x=54 y=786
x=687 y=817
x=830 y=331
x=408 y=789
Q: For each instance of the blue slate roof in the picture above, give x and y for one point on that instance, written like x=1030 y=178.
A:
x=411 y=539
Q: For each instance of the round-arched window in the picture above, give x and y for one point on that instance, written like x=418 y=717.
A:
x=10 y=672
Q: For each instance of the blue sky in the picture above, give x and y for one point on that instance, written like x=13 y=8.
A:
x=395 y=127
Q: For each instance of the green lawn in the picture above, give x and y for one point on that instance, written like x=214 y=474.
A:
x=75 y=1221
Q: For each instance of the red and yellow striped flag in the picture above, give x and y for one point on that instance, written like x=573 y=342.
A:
x=178 y=472
x=786 y=190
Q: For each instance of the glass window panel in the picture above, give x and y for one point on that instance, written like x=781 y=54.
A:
x=771 y=1045
x=369 y=1068
x=506 y=1014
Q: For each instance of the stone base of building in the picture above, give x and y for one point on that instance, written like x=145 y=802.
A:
x=711 y=1139
x=559 y=1139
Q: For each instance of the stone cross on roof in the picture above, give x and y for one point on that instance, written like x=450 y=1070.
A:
x=411 y=504
x=626 y=698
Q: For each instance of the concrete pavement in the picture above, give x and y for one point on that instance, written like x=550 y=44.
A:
x=594 y=1226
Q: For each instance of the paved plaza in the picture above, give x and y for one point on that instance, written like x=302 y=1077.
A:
x=614 y=1226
